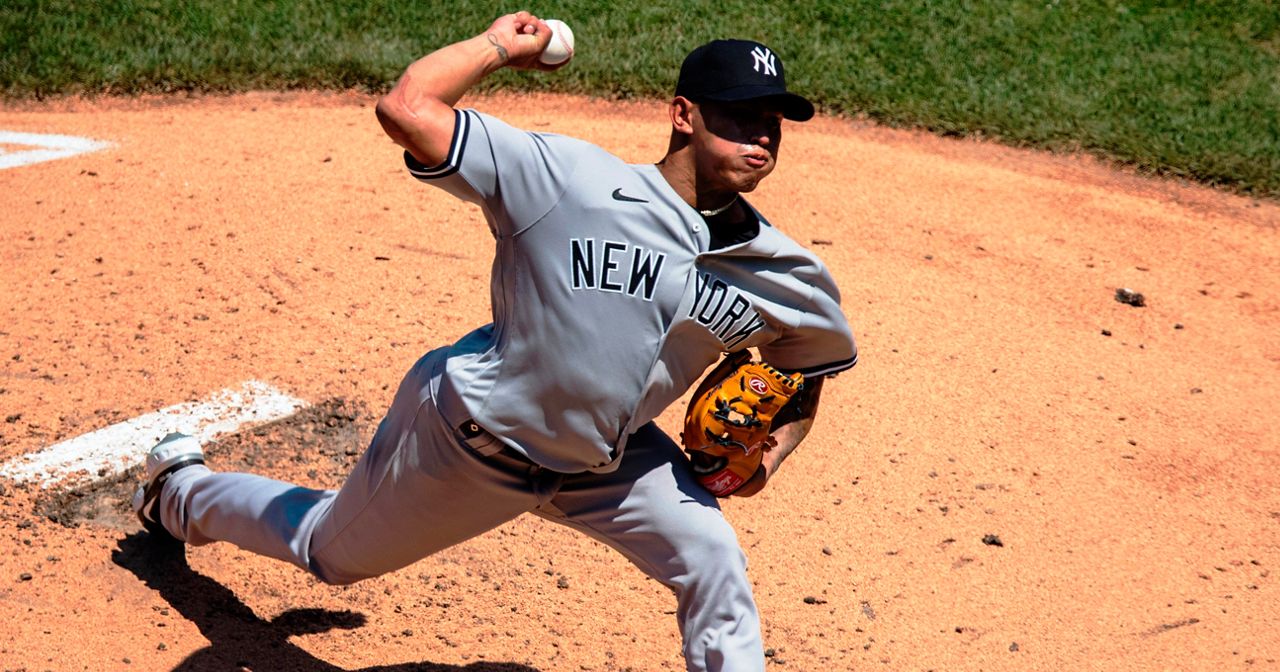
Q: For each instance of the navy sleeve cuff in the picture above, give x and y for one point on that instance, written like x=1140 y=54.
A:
x=461 y=126
x=829 y=369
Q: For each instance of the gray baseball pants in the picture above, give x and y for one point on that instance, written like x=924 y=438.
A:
x=423 y=486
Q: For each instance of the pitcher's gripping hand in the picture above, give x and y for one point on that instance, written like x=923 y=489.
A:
x=520 y=39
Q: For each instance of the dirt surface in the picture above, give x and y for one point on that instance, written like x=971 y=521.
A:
x=1021 y=473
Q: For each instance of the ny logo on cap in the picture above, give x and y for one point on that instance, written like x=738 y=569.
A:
x=764 y=57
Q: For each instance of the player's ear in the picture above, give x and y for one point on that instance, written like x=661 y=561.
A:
x=682 y=115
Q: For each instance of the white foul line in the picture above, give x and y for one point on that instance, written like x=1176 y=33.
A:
x=50 y=147
x=113 y=450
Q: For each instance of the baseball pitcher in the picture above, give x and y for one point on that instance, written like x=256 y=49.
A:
x=614 y=288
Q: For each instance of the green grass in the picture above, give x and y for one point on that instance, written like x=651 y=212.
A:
x=1190 y=89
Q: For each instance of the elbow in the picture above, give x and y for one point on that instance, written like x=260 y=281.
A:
x=422 y=126
x=392 y=115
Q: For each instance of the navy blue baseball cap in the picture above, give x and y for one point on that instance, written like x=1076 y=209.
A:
x=732 y=70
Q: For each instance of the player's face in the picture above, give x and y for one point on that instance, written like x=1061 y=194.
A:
x=737 y=143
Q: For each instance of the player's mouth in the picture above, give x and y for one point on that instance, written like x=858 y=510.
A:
x=756 y=158
x=754 y=155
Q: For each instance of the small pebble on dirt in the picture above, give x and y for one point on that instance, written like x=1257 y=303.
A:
x=868 y=611
x=1106 y=332
x=1178 y=325
x=992 y=540
x=814 y=600
x=1013 y=647
x=25 y=576
x=826 y=550
x=1129 y=297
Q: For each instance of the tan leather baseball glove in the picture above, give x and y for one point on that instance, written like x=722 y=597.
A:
x=727 y=426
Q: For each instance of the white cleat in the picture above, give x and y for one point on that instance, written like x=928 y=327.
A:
x=175 y=451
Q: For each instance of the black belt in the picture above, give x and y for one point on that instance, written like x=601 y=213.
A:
x=479 y=439
x=486 y=444
x=470 y=429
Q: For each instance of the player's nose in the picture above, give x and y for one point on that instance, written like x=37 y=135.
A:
x=764 y=139
x=765 y=135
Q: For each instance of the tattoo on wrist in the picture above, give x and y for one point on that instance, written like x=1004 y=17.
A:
x=502 y=51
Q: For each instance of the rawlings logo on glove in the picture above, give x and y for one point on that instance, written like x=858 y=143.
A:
x=727 y=426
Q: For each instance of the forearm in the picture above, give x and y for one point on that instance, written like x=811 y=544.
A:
x=418 y=112
x=787 y=437
x=793 y=423
x=445 y=75
x=790 y=427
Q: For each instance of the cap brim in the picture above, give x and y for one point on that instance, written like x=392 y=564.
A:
x=794 y=107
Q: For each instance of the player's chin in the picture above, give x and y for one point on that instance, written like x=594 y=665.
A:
x=747 y=181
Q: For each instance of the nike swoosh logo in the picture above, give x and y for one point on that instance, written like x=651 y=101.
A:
x=619 y=196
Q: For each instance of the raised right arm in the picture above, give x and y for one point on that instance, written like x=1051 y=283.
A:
x=418 y=112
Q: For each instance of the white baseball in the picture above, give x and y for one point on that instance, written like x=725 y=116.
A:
x=560 y=49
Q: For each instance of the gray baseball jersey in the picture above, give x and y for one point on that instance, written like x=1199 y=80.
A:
x=607 y=302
